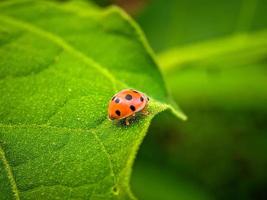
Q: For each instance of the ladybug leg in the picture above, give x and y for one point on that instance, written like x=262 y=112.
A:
x=144 y=111
x=127 y=121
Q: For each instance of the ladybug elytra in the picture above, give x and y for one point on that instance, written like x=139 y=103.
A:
x=126 y=103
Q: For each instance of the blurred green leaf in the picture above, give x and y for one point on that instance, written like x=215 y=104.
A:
x=173 y=23
x=229 y=72
x=233 y=50
x=213 y=55
x=220 y=151
x=163 y=184
x=59 y=66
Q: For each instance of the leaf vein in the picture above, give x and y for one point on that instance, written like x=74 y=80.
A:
x=92 y=130
x=67 y=186
x=34 y=72
x=107 y=154
x=9 y=174
x=63 y=44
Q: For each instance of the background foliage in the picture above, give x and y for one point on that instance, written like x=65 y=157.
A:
x=213 y=55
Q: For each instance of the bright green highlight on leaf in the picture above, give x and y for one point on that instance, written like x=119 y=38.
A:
x=59 y=66
x=220 y=70
x=246 y=45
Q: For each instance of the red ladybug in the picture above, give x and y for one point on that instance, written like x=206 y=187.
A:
x=126 y=103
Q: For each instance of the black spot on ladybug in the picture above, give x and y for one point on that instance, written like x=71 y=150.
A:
x=132 y=108
x=118 y=112
x=113 y=98
x=117 y=100
x=128 y=97
x=134 y=91
x=141 y=99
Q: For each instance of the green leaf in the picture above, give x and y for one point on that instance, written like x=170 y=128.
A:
x=59 y=66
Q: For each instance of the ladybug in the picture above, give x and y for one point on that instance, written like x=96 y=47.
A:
x=126 y=103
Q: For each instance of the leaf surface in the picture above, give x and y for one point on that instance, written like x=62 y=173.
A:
x=59 y=66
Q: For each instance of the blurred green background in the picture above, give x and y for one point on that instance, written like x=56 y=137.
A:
x=213 y=55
